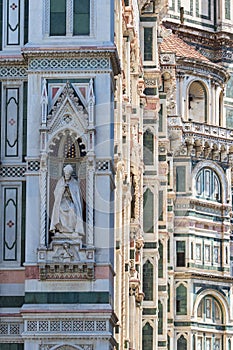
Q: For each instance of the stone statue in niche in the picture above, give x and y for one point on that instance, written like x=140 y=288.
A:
x=67 y=211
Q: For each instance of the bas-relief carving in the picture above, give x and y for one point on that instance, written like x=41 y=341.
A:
x=65 y=347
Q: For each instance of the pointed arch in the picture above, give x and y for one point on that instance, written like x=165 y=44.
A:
x=148 y=147
x=148 y=211
x=66 y=347
x=181 y=300
x=182 y=343
x=147 y=336
x=66 y=147
x=68 y=113
x=148 y=280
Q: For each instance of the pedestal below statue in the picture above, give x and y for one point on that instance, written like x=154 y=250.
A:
x=66 y=258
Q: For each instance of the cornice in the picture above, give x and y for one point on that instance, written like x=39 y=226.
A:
x=215 y=71
x=202 y=276
x=12 y=59
x=74 y=52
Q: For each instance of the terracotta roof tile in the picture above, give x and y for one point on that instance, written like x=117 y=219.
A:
x=173 y=43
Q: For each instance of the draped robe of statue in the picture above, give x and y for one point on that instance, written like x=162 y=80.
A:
x=67 y=210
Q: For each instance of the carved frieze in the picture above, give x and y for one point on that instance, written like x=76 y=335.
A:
x=66 y=259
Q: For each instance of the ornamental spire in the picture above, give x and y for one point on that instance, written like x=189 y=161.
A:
x=44 y=103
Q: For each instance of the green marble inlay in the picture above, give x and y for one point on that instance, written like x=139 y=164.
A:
x=148 y=277
x=227 y=9
x=162 y=344
x=150 y=245
x=147 y=336
x=148 y=19
x=25 y=85
x=11 y=301
x=26 y=9
x=23 y=208
x=148 y=43
x=67 y=298
x=203 y=24
x=149 y=311
x=5 y=346
x=162 y=288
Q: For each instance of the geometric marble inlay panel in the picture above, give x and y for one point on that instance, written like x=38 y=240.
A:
x=10 y=328
x=12 y=171
x=69 y=63
x=64 y=326
x=13 y=71
x=12 y=122
x=13 y=24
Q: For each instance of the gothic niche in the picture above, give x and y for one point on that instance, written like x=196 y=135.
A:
x=66 y=255
x=67 y=184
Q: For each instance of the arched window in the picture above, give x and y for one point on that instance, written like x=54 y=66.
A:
x=182 y=343
x=148 y=211
x=148 y=148
x=209 y=310
x=229 y=89
x=148 y=272
x=181 y=300
x=160 y=322
x=160 y=263
x=208 y=185
x=221 y=109
x=147 y=337
x=197 y=102
x=180 y=253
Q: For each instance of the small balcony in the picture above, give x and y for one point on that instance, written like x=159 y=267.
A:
x=200 y=139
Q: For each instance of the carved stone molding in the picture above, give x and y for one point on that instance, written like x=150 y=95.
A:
x=200 y=140
x=54 y=326
x=65 y=347
x=66 y=259
x=11 y=329
x=16 y=72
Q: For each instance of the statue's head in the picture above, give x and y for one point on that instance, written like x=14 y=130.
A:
x=68 y=170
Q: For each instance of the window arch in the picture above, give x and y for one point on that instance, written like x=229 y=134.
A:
x=160 y=262
x=148 y=147
x=209 y=310
x=220 y=107
x=197 y=102
x=160 y=322
x=229 y=88
x=148 y=211
x=208 y=185
x=147 y=337
x=148 y=272
x=182 y=343
x=181 y=300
